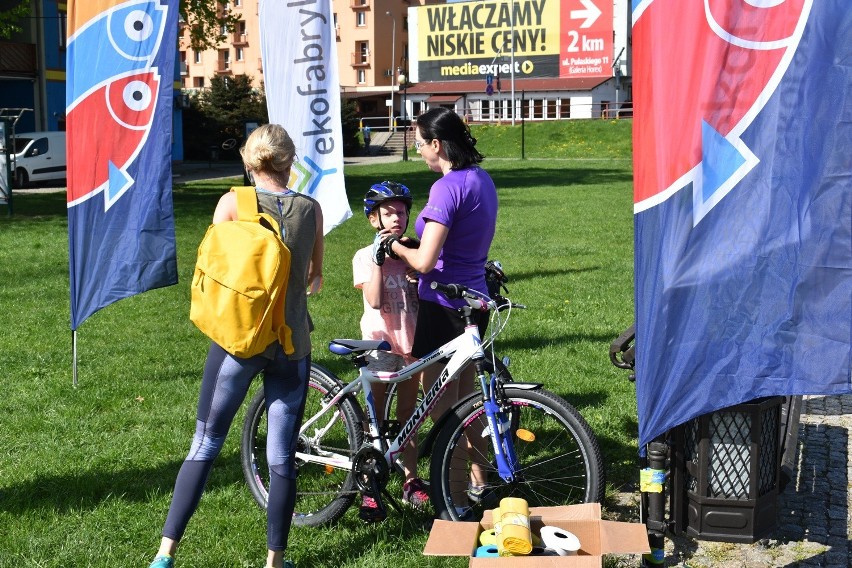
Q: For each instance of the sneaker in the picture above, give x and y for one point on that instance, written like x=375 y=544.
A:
x=415 y=493
x=162 y=561
x=475 y=492
x=370 y=512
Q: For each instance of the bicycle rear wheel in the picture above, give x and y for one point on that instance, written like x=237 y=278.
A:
x=559 y=460
x=324 y=492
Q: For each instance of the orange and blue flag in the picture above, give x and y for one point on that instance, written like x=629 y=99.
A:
x=743 y=203
x=120 y=62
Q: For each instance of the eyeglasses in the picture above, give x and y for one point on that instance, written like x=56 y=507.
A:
x=420 y=143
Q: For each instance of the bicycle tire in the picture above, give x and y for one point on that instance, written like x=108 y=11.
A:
x=324 y=493
x=562 y=465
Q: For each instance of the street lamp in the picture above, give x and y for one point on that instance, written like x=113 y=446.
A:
x=393 y=68
x=402 y=80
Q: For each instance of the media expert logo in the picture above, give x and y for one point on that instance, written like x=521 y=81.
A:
x=552 y=38
x=745 y=48
x=111 y=94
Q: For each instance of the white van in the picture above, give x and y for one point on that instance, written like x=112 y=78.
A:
x=38 y=156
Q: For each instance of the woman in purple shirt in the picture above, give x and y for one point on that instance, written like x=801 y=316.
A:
x=455 y=229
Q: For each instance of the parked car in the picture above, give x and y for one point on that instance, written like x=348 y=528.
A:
x=38 y=156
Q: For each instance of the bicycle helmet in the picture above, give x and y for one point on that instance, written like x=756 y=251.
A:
x=386 y=191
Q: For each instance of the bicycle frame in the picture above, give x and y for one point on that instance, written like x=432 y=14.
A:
x=462 y=350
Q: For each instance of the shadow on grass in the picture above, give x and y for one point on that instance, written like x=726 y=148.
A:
x=506 y=175
x=87 y=489
x=537 y=341
x=521 y=276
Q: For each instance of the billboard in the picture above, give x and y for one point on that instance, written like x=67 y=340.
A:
x=552 y=39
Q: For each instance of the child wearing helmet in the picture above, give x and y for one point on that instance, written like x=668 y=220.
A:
x=389 y=290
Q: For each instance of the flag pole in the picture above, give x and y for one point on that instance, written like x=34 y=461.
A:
x=74 y=358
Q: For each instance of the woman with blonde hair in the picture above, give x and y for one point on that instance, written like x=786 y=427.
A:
x=268 y=155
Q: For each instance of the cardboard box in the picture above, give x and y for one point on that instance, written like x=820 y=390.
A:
x=597 y=538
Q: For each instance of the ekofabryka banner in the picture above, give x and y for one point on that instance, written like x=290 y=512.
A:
x=299 y=52
x=743 y=203
x=120 y=67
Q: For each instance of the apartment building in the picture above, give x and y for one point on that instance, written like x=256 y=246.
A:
x=32 y=70
x=372 y=44
x=396 y=58
x=237 y=54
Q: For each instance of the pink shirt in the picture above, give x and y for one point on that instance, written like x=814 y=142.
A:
x=394 y=320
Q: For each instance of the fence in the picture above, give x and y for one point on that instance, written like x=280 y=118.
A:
x=486 y=111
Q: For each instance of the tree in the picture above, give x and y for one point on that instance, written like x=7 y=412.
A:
x=219 y=114
x=207 y=22
x=10 y=18
x=349 y=127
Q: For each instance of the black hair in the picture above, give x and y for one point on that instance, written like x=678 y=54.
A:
x=445 y=125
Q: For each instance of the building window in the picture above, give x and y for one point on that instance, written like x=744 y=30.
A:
x=225 y=59
x=196 y=57
x=63 y=30
x=538 y=108
x=238 y=3
x=565 y=108
x=362 y=76
x=361 y=19
x=240 y=55
x=551 y=110
x=363 y=49
x=198 y=82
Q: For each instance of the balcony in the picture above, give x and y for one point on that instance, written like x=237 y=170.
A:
x=359 y=4
x=17 y=59
x=239 y=39
x=223 y=67
x=360 y=60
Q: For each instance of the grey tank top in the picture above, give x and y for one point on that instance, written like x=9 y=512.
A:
x=297 y=219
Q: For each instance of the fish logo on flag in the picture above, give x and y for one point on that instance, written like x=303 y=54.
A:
x=299 y=53
x=743 y=203
x=120 y=61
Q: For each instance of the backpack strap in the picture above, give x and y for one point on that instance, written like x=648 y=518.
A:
x=247 y=207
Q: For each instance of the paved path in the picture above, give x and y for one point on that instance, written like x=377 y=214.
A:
x=195 y=171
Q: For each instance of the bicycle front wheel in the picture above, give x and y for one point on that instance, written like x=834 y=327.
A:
x=324 y=492
x=559 y=460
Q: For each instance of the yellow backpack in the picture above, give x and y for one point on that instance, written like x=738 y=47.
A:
x=240 y=281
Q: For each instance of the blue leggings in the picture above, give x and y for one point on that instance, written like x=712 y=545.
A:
x=223 y=388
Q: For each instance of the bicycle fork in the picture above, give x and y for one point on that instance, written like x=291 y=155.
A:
x=499 y=428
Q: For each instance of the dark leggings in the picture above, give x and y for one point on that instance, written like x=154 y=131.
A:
x=223 y=388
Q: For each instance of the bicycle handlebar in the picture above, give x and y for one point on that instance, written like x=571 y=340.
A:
x=456 y=291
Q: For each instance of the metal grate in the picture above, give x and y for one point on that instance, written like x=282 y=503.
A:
x=730 y=433
x=769 y=448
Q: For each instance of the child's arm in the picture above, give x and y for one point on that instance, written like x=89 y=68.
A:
x=372 y=288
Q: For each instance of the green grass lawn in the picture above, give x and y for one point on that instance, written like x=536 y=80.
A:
x=86 y=474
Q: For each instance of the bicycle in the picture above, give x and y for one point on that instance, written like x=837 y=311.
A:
x=507 y=439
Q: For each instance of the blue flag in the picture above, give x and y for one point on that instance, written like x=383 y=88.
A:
x=743 y=203
x=119 y=120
